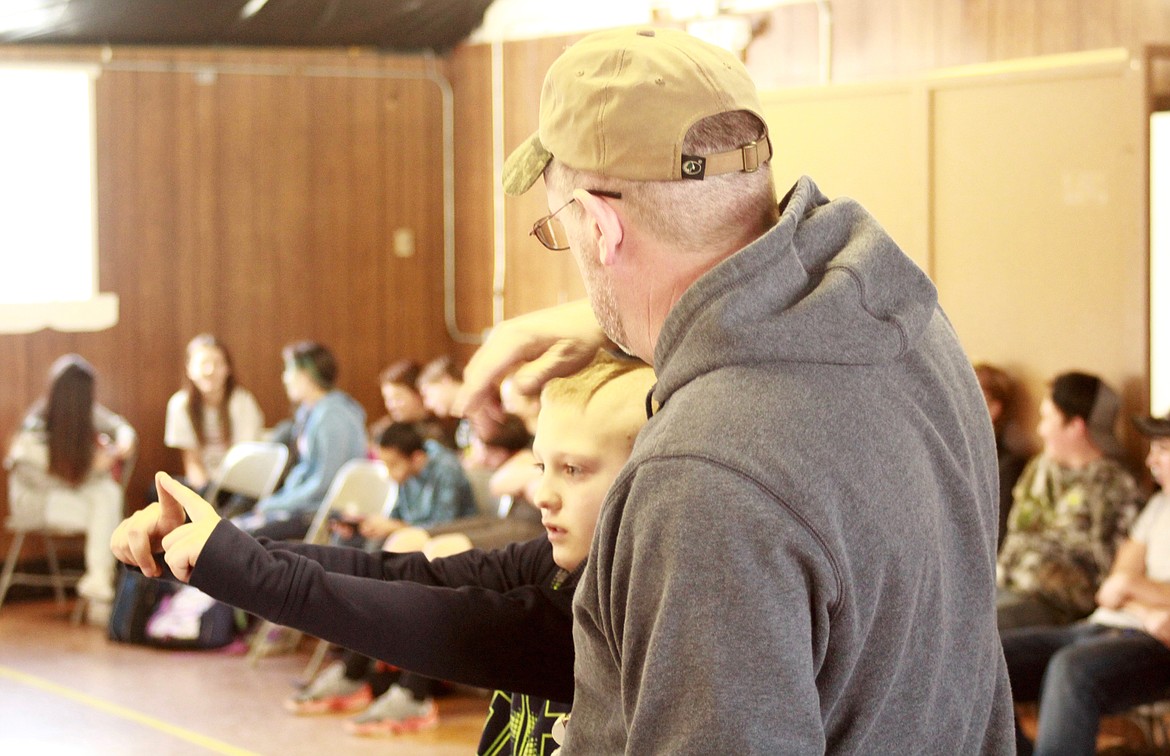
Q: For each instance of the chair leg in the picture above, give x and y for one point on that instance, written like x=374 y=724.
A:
x=315 y=661
x=10 y=563
x=54 y=570
x=79 y=610
x=259 y=644
x=271 y=638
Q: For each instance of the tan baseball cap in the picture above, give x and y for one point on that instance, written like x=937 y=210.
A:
x=619 y=103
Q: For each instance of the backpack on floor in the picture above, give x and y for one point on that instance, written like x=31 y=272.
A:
x=167 y=614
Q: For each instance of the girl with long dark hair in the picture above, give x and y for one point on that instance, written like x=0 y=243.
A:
x=62 y=465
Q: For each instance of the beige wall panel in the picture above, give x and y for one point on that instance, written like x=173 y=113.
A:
x=872 y=41
x=1040 y=247
x=861 y=142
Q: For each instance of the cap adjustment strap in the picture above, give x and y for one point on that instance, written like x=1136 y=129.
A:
x=746 y=159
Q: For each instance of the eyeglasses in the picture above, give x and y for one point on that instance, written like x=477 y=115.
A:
x=549 y=231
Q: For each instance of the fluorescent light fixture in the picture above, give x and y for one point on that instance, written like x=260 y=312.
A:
x=527 y=19
x=761 y=6
x=732 y=33
x=27 y=15
x=251 y=8
x=688 y=10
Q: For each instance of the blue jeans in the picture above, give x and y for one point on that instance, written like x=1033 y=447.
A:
x=1079 y=673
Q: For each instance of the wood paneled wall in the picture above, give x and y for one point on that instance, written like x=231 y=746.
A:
x=254 y=193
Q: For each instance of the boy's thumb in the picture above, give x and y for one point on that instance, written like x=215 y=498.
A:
x=176 y=498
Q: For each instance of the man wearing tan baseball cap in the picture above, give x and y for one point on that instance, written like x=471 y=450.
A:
x=799 y=555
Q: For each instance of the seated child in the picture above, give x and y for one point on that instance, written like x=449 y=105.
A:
x=1072 y=508
x=210 y=413
x=62 y=467
x=404 y=404
x=432 y=487
x=499 y=460
x=1120 y=656
x=514 y=605
x=327 y=432
x=439 y=382
x=432 y=490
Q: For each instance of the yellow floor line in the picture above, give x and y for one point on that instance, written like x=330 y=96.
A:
x=182 y=733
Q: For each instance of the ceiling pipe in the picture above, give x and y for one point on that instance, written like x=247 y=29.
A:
x=499 y=237
x=450 y=315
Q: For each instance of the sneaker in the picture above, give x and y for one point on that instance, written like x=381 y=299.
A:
x=395 y=712
x=331 y=693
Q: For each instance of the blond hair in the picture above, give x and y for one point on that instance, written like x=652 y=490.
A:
x=580 y=387
x=617 y=386
x=692 y=215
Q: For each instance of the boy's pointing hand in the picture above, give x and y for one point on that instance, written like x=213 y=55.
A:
x=184 y=543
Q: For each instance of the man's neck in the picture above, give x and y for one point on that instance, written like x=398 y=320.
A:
x=659 y=300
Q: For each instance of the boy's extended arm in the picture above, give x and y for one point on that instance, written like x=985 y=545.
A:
x=394 y=607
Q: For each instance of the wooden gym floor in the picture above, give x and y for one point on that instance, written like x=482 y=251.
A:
x=69 y=690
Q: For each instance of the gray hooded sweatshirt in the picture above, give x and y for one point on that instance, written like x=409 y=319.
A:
x=800 y=555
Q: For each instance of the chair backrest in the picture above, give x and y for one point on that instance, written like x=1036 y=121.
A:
x=251 y=468
x=361 y=487
x=480 y=480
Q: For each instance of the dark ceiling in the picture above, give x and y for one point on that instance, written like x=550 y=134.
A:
x=403 y=25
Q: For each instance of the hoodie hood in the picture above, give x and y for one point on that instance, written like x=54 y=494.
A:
x=825 y=285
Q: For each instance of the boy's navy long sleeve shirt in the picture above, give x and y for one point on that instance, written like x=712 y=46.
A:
x=493 y=619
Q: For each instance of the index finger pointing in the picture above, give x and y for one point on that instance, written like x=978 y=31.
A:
x=172 y=493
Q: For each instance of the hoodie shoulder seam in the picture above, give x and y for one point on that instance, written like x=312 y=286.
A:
x=792 y=511
x=903 y=337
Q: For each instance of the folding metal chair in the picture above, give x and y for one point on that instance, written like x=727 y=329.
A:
x=362 y=487
x=251 y=468
x=57 y=578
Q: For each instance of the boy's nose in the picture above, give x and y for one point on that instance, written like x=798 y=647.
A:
x=545 y=497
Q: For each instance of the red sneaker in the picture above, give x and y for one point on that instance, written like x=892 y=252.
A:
x=331 y=693
x=395 y=712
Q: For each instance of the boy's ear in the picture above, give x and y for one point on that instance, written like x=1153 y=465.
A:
x=603 y=223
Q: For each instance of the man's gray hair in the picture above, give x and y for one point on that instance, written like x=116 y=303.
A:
x=692 y=215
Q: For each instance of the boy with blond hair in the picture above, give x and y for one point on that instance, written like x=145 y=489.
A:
x=514 y=605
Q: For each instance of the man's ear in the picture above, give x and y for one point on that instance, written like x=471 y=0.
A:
x=604 y=223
